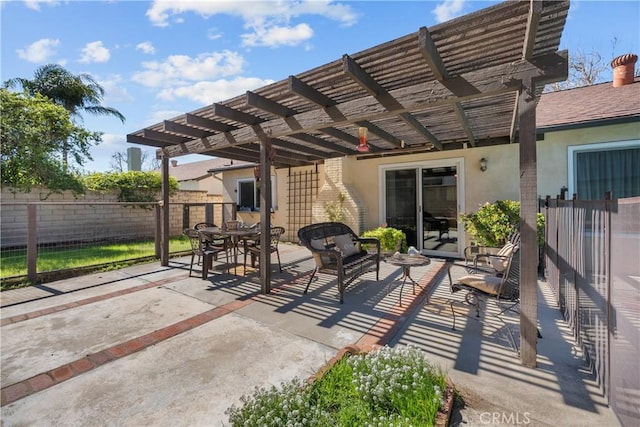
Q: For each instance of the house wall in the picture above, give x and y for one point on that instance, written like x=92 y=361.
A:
x=210 y=184
x=553 y=152
x=499 y=182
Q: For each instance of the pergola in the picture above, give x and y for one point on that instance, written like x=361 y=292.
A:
x=469 y=82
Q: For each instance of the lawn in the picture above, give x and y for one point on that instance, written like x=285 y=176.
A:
x=14 y=263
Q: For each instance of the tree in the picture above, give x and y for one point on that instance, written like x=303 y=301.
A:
x=76 y=94
x=33 y=130
x=586 y=69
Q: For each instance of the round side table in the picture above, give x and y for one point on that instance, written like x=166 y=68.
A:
x=406 y=262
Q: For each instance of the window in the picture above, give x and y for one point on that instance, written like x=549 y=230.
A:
x=595 y=169
x=249 y=195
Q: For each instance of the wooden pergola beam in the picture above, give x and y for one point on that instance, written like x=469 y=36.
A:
x=433 y=58
x=493 y=80
x=193 y=120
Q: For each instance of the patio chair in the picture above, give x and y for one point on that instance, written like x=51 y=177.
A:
x=253 y=248
x=486 y=286
x=204 y=252
x=215 y=241
x=492 y=259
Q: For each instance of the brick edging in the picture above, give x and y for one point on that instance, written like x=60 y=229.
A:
x=44 y=380
x=56 y=309
x=390 y=324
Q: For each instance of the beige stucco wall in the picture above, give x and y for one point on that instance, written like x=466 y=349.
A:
x=230 y=193
x=500 y=181
x=553 y=157
x=211 y=184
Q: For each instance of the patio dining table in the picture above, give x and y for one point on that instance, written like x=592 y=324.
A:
x=236 y=235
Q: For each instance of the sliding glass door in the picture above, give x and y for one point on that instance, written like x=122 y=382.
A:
x=424 y=201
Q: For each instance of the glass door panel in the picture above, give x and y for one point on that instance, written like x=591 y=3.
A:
x=401 y=210
x=440 y=210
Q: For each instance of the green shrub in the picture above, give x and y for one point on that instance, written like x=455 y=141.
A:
x=389 y=238
x=132 y=186
x=493 y=222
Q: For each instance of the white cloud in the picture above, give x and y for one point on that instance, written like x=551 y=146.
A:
x=207 y=92
x=213 y=34
x=447 y=10
x=278 y=36
x=180 y=69
x=39 y=51
x=115 y=90
x=268 y=19
x=159 y=116
x=35 y=4
x=95 y=52
x=146 y=47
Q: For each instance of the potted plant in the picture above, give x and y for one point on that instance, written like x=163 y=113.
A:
x=391 y=239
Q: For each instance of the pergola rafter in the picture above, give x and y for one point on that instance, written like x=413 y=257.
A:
x=469 y=82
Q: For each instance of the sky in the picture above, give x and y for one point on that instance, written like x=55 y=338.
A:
x=159 y=59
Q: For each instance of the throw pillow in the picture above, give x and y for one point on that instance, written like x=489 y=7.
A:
x=501 y=261
x=345 y=245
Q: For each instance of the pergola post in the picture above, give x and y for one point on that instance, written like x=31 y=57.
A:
x=265 y=213
x=164 y=233
x=528 y=228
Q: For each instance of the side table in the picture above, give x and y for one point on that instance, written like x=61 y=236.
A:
x=406 y=262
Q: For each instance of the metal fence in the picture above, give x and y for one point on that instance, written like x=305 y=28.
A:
x=592 y=260
x=35 y=236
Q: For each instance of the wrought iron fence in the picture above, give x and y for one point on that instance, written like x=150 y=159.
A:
x=592 y=259
x=38 y=237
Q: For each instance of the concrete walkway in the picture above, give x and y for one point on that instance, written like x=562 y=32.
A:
x=150 y=346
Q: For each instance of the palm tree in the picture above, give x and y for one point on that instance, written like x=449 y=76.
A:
x=76 y=94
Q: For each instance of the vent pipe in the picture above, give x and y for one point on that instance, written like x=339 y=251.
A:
x=624 y=69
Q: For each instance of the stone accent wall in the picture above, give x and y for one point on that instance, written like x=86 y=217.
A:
x=63 y=218
x=338 y=180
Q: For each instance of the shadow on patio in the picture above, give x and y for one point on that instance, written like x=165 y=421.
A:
x=183 y=350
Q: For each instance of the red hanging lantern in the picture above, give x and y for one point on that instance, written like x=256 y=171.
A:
x=363 y=147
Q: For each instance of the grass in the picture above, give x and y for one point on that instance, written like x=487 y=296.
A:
x=389 y=387
x=14 y=263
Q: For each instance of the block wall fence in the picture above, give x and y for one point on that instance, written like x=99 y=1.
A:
x=63 y=218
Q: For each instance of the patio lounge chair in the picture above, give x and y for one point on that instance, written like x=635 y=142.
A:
x=492 y=259
x=486 y=286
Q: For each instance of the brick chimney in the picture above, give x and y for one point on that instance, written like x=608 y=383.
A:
x=624 y=69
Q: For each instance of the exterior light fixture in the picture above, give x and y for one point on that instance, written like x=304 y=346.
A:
x=363 y=147
x=483 y=164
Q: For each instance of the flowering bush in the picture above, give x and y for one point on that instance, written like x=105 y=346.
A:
x=389 y=387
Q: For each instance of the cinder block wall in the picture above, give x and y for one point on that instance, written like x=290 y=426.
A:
x=65 y=218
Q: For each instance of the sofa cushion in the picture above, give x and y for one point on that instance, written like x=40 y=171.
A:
x=483 y=282
x=345 y=245
x=320 y=259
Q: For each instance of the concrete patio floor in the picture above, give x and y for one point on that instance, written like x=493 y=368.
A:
x=149 y=346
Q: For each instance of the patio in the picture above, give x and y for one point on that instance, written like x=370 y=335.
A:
x=147 y=345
